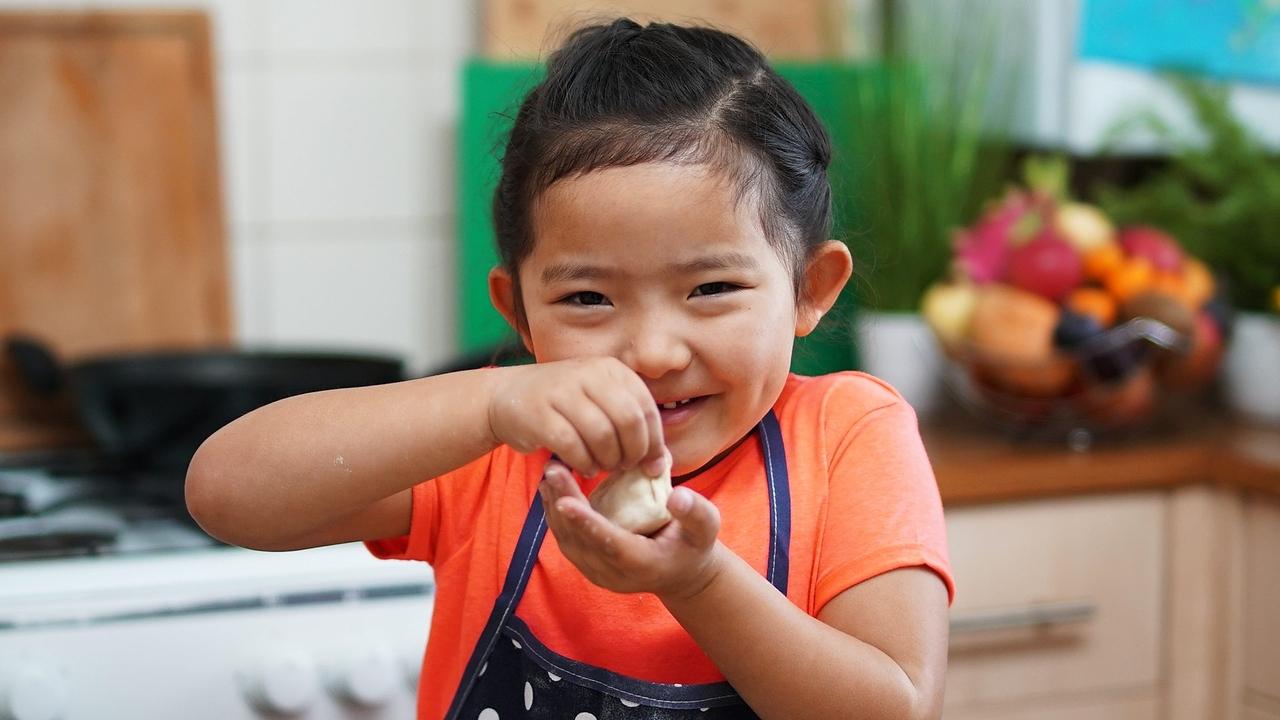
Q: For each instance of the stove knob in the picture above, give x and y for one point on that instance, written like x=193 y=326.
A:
x=285 y=683
x=367 y=677
x=35 y=693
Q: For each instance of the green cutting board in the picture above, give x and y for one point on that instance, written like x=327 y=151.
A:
x=491 y=94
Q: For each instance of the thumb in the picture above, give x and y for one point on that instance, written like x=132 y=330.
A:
x=698 y=518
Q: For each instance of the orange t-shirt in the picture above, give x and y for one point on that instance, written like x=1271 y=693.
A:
x=863 y=502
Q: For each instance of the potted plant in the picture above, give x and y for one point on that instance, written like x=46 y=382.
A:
x=1221 y=196
x=932 y=147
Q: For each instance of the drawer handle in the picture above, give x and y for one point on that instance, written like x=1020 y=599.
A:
x=1026 y=617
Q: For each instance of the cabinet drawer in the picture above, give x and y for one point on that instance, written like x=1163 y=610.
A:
x=1055 y=598
x=1142 y=706
x=1262 y=598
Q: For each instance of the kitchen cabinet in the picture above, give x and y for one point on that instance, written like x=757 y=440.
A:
x=800 y=29
x=1059 y=608
x=1261 y=698
x=1137 y=580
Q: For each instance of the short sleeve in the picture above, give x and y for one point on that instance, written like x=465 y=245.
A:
x=884 y=511
x=444 y=514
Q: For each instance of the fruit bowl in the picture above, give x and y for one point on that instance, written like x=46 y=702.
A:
x=1054 y=319
x=1119 y=379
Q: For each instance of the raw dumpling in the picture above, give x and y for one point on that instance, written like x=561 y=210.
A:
x=634 y=500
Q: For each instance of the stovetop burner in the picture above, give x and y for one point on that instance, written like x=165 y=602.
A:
x=73 y=503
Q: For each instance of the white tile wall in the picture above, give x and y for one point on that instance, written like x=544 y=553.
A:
x=375 y=286
x=337 y=123
x=359 y=143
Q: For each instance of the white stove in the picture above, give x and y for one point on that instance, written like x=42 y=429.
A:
x=137 y=614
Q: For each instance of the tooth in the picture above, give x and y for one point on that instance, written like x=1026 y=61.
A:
x=670 y=405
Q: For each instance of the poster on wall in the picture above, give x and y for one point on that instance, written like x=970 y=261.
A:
x=1235 y=40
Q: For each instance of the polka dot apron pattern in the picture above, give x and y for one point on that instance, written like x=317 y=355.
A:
x=513 y=675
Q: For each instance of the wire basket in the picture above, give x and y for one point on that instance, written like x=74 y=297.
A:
x=1114 y=383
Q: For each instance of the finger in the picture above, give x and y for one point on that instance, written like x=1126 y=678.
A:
x=593 y=530
x=654 y=468
x=656 y=458
x=628 y=420
x=697 y=519
x=595 y=428
x=553 y=479
x=650 y=460
x=564 y=441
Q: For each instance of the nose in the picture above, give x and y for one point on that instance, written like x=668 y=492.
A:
x=653 y=348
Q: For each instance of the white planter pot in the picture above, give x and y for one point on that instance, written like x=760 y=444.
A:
x=900 y=349
x=1251 y=368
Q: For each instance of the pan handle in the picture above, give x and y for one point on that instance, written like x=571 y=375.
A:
x=37 y=364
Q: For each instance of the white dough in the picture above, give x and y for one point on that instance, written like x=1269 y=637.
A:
x=634 y=500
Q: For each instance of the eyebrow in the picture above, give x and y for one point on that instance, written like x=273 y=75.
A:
x=566 y=272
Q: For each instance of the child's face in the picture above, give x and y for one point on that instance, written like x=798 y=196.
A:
x=661 y=267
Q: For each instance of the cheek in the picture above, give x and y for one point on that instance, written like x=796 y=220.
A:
x=555 y=341
x=757 y=340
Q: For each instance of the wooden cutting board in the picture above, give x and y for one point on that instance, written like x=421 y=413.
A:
x=792 y=30
x=111 y=235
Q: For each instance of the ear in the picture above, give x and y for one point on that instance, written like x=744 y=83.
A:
x=825 y=275
x=502 y=293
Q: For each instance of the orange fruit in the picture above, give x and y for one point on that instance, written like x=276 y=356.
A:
x=1102 y=261
x=1094 y=302
x=1172 y=285
x=1197 y=282
x=1132 y=277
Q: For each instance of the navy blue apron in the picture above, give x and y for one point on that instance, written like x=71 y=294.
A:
x=512 y=675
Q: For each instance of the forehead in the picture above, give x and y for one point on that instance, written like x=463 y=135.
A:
x=673 y=211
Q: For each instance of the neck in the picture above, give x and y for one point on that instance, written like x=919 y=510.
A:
x=722 y=455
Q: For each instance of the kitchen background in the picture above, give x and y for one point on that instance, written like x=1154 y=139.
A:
x=1113 y=517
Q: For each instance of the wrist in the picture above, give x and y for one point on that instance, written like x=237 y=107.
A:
x=704 y=581
x=497 y=382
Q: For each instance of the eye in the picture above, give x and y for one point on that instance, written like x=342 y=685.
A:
x=715 y=288
x=586 y=298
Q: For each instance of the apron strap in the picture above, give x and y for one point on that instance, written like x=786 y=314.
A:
x=775 y=469
x=518 y=573
x=534 y=531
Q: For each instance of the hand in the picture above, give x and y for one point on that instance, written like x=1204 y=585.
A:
x=678 y=561
x=593 y=413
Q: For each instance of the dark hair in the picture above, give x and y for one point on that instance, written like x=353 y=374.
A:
x=622 y=94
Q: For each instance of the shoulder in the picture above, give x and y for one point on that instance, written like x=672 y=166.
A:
x=846 y=412
x=842 y=397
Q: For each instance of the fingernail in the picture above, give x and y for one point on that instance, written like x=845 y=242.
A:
x=681 y=500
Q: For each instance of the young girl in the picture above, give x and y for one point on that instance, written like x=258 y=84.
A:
x=663 y=217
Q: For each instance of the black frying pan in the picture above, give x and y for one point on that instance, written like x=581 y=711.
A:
x=152 y=410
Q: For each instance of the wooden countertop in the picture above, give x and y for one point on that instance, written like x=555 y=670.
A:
x=976 y=463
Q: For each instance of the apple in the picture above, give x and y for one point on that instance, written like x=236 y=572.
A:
x=948 y=308
x=1084 y=226
x=1047 y=266
x=1157 y=246
x=1131 y=401
x=1200 y=364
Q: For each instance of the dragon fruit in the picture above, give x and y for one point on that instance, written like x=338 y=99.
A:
x=982 y=250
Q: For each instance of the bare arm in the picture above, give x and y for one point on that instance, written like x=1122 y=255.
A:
x=878 y=650
x=337 y=466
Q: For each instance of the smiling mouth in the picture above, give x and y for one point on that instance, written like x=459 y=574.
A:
x=677 y=403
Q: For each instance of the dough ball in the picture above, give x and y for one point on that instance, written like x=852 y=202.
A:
x=634 y=501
